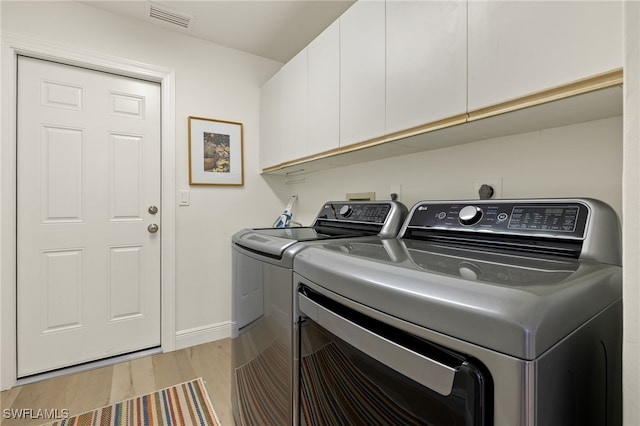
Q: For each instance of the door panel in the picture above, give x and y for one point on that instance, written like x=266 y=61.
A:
x=61 y=174
x=88 y=169
x=126 y=177
x=126 y=282
x=61 y=283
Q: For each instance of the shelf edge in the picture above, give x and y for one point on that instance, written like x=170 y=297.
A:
x=578 y=87
x=590 y=84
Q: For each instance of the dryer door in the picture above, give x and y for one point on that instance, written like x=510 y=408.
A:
x=357 y=370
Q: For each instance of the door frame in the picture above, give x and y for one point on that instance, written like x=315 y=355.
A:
x=12 y=46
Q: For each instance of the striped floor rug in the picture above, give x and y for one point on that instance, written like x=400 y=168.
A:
x=186 y=404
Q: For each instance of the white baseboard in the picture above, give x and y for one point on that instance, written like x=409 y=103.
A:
x=203 y=334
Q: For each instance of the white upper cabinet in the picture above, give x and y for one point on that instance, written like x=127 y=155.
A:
x=385 y=70
x=362 y=72
x=294 y=106
x=283 y=114
x=426 y=70
x=520 y=47
x=271 y=122
x=323 y=56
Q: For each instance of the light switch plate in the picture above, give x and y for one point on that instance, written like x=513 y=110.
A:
x=184 y=198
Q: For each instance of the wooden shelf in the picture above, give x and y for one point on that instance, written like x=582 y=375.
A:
x=584 y=100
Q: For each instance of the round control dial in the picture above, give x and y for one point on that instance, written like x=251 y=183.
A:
x=346 y=210
x=469 y=215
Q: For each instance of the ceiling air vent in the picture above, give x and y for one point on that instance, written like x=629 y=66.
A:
x=169 y=16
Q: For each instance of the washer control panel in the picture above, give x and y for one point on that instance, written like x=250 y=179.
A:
x=355 y=212
x=382 y=218
x=558 y=219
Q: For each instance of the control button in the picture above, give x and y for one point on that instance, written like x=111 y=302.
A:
x=441 y=215
x=469 y=271
x=469 y=215
x=346 y=210
x=502 y=217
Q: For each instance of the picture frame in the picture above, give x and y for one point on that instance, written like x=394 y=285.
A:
x=215 y=152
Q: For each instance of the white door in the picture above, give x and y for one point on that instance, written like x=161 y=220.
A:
x=88 y=171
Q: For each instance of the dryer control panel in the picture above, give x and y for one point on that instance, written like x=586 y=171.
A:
x=565 y=220
x=580 y=227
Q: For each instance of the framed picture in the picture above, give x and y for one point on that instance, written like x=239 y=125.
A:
x=215 y=152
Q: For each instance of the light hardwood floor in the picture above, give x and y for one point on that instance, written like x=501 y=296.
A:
x=85 y=391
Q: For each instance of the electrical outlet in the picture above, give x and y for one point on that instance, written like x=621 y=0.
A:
x=495 y=183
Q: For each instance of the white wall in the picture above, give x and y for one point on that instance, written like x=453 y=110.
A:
x=581 y=160
x=211 y=81
x=631 y=206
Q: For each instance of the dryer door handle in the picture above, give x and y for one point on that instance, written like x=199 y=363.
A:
x=424 y=370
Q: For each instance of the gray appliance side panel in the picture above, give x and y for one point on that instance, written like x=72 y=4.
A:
x=603 y=240
x=522 y=322
x=262 y=348
x=248 y=290
x=579 y=381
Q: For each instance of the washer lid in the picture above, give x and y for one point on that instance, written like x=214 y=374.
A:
x=274 y=241
x=513 y=304
x=336 y=219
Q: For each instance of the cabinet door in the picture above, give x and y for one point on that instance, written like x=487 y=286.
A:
x=426 y=62
x=324 y=90
x=520 y=47
x=271 y=120
x=362 y=72
x=294 y=123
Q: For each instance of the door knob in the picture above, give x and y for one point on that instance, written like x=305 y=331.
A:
x=153 y=209
x=153 y=228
